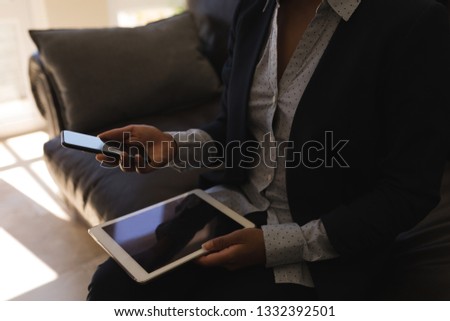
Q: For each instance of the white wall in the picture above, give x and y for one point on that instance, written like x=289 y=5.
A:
x=95 y=13
x=77 y=13
x=132 y=13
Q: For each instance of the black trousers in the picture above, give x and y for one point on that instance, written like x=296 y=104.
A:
x=194 y=282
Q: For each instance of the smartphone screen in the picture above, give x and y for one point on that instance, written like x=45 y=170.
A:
x=86 y=143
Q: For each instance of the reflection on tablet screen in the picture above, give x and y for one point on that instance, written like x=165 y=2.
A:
x=168 y=232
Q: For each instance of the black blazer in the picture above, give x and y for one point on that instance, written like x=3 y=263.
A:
x=382 y=89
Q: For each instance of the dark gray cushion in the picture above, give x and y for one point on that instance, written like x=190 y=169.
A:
x=101 y=194
x=105 y=76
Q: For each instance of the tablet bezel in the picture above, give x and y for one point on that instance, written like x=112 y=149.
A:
x=128 y=263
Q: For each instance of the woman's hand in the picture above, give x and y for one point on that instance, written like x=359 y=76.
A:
x=236 y=250
x=144 y=148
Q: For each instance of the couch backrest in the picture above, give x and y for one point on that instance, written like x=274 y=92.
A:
x=213 y=18
x=102 y=76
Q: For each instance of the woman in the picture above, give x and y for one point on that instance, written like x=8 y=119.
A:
x=347 y=102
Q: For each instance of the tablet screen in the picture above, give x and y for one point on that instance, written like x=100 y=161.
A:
x=163 y=234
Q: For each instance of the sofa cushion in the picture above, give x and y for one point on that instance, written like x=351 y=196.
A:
x=99 y=194
x=105 y=76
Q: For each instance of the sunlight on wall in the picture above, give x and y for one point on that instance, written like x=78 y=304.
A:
x=29 y=177
x=22 y=168
x=28 y=270
x=77 y=13
x=40 y=169
x=139 y=17
x=23 y=181
x=28 y=146
x=6 y=158
x=140 y=12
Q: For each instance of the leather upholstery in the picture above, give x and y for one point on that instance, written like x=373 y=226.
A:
x=94 y=194
x=420 y=258
x=213 y=19
x=44 y=96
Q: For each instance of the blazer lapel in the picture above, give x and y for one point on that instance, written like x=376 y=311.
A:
x=251 y=33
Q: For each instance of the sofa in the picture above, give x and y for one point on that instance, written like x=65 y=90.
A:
x=167 y=74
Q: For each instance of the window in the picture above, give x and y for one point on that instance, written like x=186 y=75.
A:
x=132 y=13
x=11 y=82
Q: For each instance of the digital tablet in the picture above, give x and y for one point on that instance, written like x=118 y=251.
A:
x=159 y=238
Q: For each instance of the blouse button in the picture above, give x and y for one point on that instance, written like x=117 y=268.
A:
x=274 y=99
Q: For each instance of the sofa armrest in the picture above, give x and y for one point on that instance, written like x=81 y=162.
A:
x=44 y=95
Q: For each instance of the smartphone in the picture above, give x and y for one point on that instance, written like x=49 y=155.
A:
x=87 y=143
